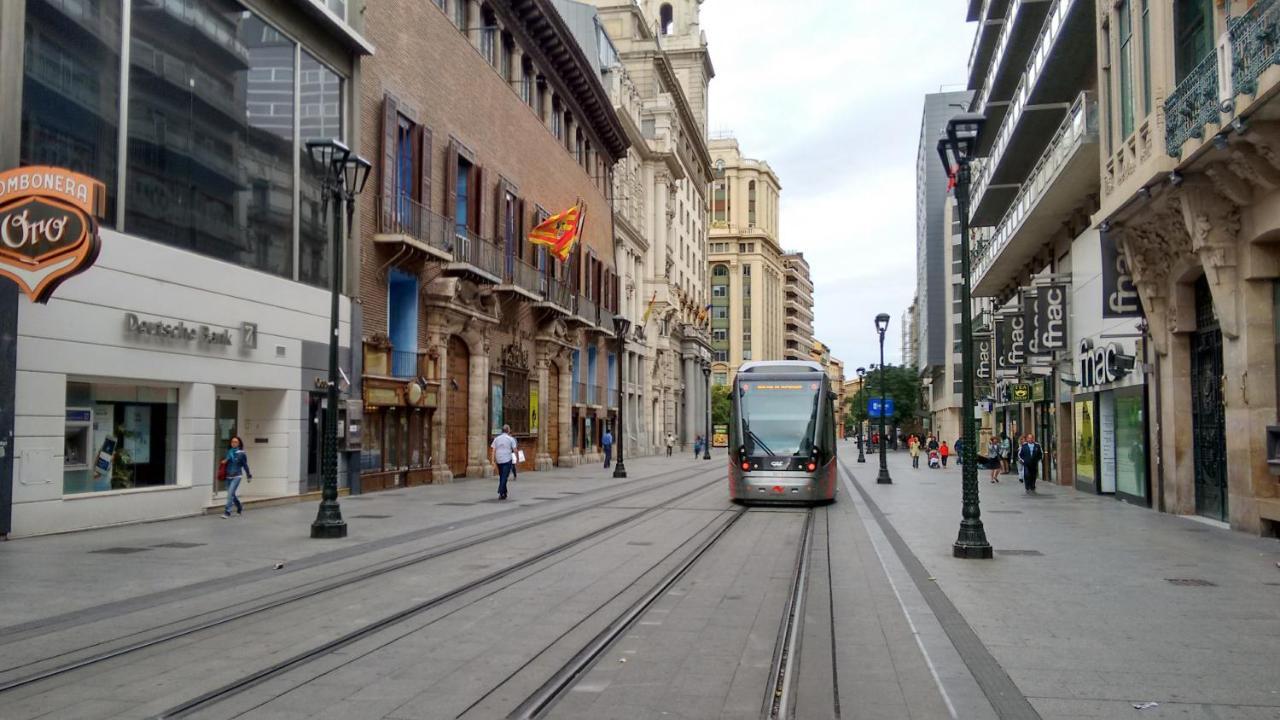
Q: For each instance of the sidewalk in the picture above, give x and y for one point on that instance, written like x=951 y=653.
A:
x=1092 y=605
x=86 y=571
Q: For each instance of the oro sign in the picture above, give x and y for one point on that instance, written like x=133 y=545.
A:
x=48 y=226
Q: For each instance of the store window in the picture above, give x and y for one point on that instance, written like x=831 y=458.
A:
x=119 y=437
x=1086 y=474
x=395 y=439
x=1131 y=452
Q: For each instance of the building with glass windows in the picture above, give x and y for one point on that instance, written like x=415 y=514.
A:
x=797 y=308
x=206 y=314
x=748 y=276
x=489 y=118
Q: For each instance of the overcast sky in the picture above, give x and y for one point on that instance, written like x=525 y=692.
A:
x=830 y=92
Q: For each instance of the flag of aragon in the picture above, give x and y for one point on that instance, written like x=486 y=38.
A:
x=560 y=232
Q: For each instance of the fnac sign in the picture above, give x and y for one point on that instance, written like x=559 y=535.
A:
x=48 y=226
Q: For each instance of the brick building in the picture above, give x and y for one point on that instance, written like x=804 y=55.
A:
x=485 y=118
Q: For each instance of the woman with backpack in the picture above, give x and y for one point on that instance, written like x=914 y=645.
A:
x=233 y=468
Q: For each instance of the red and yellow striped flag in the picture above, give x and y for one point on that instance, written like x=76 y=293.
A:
x=560 y=232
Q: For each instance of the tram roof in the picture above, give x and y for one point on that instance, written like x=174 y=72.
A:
x=781 y=367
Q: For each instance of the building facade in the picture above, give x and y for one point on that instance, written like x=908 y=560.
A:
x=797 y=308
x=206 y=315
x=662 y=187
x=468 y=325
x=747 y=272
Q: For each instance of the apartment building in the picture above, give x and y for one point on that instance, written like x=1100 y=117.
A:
x=797 y=308
x=747 y=271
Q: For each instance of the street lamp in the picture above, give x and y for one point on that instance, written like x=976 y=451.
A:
x=343 y=176
x=955 y=149
x=861 y=403
x=706 y=434
x=620 y=327
x=882 y=324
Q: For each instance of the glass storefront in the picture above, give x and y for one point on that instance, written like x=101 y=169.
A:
x=119 y=437
x=1086 y=473
x=1131 y=452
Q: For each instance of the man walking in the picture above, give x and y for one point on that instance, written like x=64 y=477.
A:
x=503 y=454
x=671 y=443
x=606 y=442
x=1030 y=455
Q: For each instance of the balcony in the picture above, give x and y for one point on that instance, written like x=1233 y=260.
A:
x=406 y=363
x=1018 y=35
x=402 y=221
x=1192 y=105
x=595 y=395
x=1064 y=175
x=580 y=393
x=990 y=19
x=613 y=398
x=557 y=295
x=604 y=320
x=475 y=257
x=1059 y=67
x=586 y=312
x=521 y=278
x=1255 y=45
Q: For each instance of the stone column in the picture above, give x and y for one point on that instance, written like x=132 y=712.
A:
x=692 y=390
x=543 y=376
x=478 y=417
x=438 y=345
x=566 y=411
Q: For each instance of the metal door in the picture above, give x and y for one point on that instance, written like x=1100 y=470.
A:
x=457 y=419
x=551 y=423
x=1208 y=424
x=315 y=433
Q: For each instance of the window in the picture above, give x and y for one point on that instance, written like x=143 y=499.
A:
x=526 y=82
x=720 y=355
x=1146 y=57
x=751 y=204
x=63 y=71
x=1106 y=89
x=319 y=116
x=720 y=378
x=666 y=19
x=460 y=10
x=402 y=322
x=720 y=312
x=131 y=429
x=720 y=335
x=489 y=36
x=557 y=119
x=395 y=439
x=1125 y=29
x=515 y=399
x=462 y=209
x=1193 y=34
x=405 y=171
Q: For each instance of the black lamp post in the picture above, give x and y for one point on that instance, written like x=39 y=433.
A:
x=620 y=327
x=882 y=324
x=706 y=433
x=343 y=177
x=955 y=149
x=862 y=403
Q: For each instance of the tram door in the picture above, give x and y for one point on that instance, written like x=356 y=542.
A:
x=1208 y=424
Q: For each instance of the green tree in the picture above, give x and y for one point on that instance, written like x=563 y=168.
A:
x=720 y=405
x=901 y=384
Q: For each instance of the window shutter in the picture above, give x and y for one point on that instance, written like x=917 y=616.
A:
x=390 y=127
x=500 y=207
x=424 y=164
x=451 y=183
x=521 y=232
x=481 y=216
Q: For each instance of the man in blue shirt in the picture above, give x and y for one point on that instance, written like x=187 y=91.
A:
x=503 y=450
x=606 y=442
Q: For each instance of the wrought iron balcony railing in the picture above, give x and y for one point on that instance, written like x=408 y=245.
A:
x=521 y=274
x=401 y=215
x=579 y=393
x=559 y=293
x=1192 y=105
x=1255 y=45
x=587 y=310
x=1078 y=127
x=477 y=252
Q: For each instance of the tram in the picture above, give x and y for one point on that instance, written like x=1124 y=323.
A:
x=782 y=434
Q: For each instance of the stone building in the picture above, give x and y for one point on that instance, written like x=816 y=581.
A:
x=747 y=273
x=661 y=187
x=487 y=118
x=797 y=307
x=1190 y=174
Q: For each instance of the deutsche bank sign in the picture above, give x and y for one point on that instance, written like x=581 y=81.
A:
x=874 y=408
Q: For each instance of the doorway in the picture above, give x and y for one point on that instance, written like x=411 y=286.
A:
x=226 y=424
x=457 y=420
x=1208 y=422
x=552 y=420
x=315 y=433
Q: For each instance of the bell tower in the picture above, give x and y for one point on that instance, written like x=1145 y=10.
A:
x=677 y=24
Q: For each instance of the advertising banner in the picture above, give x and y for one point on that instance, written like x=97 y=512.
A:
x=1051 y=319
x=1031 y=322
x=1119 y=295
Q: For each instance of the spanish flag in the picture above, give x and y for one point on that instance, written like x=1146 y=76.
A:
x=560 y=232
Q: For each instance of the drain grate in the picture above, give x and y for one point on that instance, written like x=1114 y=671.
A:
x=1020 y=552
x=370 y=517
x=118 y=551
x=1190 y=582
x=178 y=545
x=1004 y=512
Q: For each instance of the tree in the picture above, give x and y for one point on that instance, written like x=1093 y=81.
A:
x=720 y=405
x=901 y=384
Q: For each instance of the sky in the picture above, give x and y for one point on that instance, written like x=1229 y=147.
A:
x=829 y=93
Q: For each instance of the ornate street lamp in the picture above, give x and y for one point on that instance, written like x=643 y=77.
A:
x=620 y=327
x=706 y=384
x=343 y=176
x=882 y=324
x=862 y=404
x=955 y=149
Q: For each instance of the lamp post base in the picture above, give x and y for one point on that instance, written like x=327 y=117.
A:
x=883 y=478
x=861 y=458
x=619 y=469
x=706 y=454
x=972 y=543
x=329 y=523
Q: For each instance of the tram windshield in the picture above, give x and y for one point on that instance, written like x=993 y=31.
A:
x=778 y=417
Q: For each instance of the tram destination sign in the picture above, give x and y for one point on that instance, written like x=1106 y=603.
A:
x=48 y=226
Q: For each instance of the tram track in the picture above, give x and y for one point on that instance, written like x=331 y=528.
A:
x=780 y=699
x=185 y=628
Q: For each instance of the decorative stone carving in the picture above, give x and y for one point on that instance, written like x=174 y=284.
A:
x=1247 y=162
x=515 y=357
x=1231 y=185
x=1214 y=224
x=1152 y=245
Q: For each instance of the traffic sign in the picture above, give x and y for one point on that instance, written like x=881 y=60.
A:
x=873 y=407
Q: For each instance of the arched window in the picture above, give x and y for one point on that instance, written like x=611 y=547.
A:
x=751 y=204
x=666 y=19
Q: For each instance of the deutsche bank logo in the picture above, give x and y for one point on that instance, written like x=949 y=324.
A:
x=874 y=409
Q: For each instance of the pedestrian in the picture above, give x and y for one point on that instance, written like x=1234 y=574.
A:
x=232 y=468
x=1031 y=454
x=1006 y=453
x=958 y=450
x=913 y=447
x=994 y=460
x=671 y=443
x=945 y=452
x=503 y=454
x=697 y=445
x=606 y=442
x=933 y=443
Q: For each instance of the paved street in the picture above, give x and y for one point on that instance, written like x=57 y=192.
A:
x=588 y=597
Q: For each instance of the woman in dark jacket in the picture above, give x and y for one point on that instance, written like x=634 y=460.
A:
x=237 y=467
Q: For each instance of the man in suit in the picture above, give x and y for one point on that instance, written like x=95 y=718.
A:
x=1030 y=455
